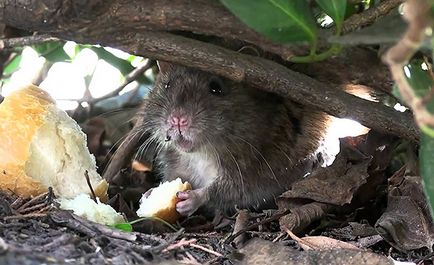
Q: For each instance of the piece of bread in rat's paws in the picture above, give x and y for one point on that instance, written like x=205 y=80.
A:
x=41 y=147
x=162 y=201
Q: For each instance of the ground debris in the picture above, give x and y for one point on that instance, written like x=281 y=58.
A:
x=259 y=251
x=407 y=223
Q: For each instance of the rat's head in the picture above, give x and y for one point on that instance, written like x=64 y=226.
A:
x=189 y=109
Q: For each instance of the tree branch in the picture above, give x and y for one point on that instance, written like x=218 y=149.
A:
x=25 y=41
x=114 y=29
x=208 y=18
x=272 y=77
x=369 y=16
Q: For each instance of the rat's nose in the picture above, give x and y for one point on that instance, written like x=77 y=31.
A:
x=178 y=121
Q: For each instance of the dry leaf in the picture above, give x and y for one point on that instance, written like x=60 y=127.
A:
x=321 y=242
x=406 y=224
x=259 y=251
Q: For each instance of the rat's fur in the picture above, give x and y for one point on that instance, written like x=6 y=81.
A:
x=248 y=145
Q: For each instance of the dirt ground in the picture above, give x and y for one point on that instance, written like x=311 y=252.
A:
x=36 y=232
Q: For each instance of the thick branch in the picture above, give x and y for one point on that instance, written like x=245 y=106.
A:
x=271 y=77
x=110 y=31
x=204 y=17
x=200 y=16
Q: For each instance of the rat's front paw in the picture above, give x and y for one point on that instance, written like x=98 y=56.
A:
x=189 y=202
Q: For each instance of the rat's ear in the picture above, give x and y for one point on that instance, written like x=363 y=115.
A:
x=164 y=67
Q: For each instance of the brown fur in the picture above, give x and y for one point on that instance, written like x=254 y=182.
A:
x=248 y=145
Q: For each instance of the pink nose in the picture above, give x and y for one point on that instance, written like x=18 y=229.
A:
x=178 y=121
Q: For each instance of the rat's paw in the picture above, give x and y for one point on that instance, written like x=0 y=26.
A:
x=189 y=202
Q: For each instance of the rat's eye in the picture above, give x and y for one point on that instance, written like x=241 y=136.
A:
x=167 y=85
x=216 y=87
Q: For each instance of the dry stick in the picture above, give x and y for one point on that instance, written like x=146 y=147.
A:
x=30 y=215
x=17 y=203
x=206 y=249
x=165 y=245
x=181 y=243
x=33 y=208
x=25 y=41
x=86 y=175
x=133 y=75
x=275 y=216
x=32 y=201
x=280 y=236
x=417 y=13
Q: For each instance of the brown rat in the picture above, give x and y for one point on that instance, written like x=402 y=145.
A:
x=236 y=145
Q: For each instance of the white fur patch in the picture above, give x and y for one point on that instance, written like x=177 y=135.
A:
x=204 y=169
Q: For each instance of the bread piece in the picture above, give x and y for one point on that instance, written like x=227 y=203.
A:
x=41 y=147
x=162 y=201
x=98 y=212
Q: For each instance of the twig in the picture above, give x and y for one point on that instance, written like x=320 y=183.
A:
x=206 y=249
x=17 y=203
x=86 y=175
x=426 y=257
x=33 y=208
x=279 y=237
x=33 y=201
x=163 y=246
x=25 y=41
x=275 y=216
x=417 y=13
x=133 y=75
x=181 y=243
x=369 y=16
x=24 y=216
x=92 y=229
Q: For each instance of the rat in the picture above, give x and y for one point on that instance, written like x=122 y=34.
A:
x=238 y=146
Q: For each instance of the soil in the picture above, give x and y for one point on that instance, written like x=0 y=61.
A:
x=43 y=234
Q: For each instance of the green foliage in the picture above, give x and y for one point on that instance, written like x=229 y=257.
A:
x=426 y=154
x=12 y=66
x=280 y=20
x=60 y=51
x=126 y=227
x=335 y=9
x=52 y=51
x=422 y=83
x=420 y=80
x=290 y=21
x=124 y=66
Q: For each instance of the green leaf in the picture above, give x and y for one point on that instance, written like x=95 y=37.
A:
x=426 y=153
x=52 y=51
x=420 y=80
x=126 y=227
x=123 y=66
x=57 y=55
x=12 y=66
x=335 y=9
x=280 y=20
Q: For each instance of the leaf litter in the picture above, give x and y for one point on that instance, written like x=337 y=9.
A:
x=350 y=204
